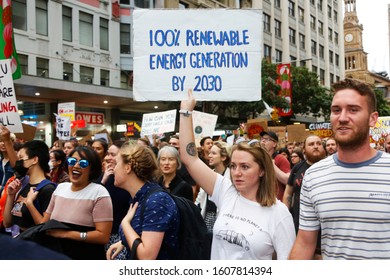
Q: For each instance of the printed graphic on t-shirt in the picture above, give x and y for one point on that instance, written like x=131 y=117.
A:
x=17 y=209
x=234 y=238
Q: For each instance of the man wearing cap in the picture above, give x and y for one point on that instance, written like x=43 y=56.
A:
x=269 y=140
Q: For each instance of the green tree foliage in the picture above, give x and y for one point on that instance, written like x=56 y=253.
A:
x=381 y=104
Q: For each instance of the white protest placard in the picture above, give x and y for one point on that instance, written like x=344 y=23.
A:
x=9 y=115
x=204 y=124
x=67 y=109
x=381 y=129
x=215 y=52
x=62 y=127
x=157 y=123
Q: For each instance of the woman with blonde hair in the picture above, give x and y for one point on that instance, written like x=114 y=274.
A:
x=153 y=235
x=252 y=223
x=219 y=160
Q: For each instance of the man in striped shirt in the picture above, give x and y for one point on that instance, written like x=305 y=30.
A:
x=347 y=194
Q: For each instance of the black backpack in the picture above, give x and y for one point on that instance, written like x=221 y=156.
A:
x=194 y=238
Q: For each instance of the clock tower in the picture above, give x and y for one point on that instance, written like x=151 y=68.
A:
x=355 y=56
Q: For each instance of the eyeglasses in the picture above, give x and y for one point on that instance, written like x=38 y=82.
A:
x=294 y=156
x=82 y=162
x=267 y=139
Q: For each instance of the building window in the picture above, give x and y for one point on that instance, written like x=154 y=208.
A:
x=19 y=14
x=125 y=38
x=278 y=28
x=322 y=76
x=319 y=5
x=320 y=28
x=329 y=12
x=313 y=47
x=330 y=34
x=23 y=63
x=41 y=17
x=86 y=75
x=125 y=2
x=293 y=60
x=182 y=5
x=267 y=52
x=86 y=29
x=277 y=3
x=301 y=14
x=336 y=37
x=67 y=71
x=331 y=56
x=314 y=69
x=331 y=78
x=42 y=67
x=104 y=34
x=278 y=56
x=291 y=9
x=127 y=79
x=267 y=23
x=321 y=51
x=141 y=3
x=337 y=59
x=313 y=2
x=335 y=16
x=313 y=23
x=66 y=24
x=292 y=36
x=104 y=77
x=302 y=41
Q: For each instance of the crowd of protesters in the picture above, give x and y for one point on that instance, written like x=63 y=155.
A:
x=258 y=198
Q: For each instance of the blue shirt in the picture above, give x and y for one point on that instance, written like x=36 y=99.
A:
x=161 y=215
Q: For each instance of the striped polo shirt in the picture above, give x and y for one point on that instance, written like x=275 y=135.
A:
x=351 y=204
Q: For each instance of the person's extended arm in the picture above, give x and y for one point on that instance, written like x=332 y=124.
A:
x=304 y=246
x=287 y=197
x=5 y=135
x=101 y=235
x=281 y=176
x=199 y=171
x=151 y=241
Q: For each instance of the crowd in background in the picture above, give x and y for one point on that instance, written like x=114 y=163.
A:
x=82 y=201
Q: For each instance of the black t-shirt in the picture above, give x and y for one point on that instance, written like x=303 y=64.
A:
x=295 y=180
x=20 y=213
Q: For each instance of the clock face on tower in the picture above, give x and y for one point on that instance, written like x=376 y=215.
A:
x=348 y=37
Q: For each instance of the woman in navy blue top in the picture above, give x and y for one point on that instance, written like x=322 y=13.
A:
x=157 y=230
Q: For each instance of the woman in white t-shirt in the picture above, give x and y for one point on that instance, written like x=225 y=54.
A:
x=252 y=223
x=219 y=160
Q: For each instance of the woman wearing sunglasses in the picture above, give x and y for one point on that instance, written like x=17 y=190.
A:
x=84 y=207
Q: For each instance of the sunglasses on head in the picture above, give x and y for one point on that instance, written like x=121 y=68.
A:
x=82 y=162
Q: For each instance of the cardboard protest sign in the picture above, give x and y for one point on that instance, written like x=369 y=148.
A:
x=157 y=123
x=9 y=115
x=204 y=124
x=255 y=126
x=322 y=130
x=28 y=133
x=103 y=134
x=182 y=49
x=297 y=133
x=281 y=132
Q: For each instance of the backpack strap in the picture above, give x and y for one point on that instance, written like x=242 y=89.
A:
x=42 y=184
x=178 y=187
